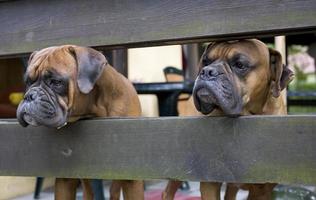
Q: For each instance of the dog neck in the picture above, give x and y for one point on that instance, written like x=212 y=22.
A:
x=275 y=106
x=271 y=106
x=114 y=96
x=254 y=104
x=268 y=106
x=96 y=103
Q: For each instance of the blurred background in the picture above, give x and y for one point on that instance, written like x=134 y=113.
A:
x=165 y=64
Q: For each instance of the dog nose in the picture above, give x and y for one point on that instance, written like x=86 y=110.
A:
x=208 y=73
x=30 y=96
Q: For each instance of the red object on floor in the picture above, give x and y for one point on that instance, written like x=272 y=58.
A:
x=156 y=195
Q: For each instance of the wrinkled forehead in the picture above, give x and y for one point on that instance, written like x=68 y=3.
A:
x=252 y=49
x=56 y=59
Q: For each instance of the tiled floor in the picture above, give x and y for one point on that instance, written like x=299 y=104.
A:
x=154 y=189
x=153 y=192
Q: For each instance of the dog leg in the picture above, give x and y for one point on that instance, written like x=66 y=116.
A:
x=133 y=190
x=65 y=188
x=171 y=189
x=231 y=191
x=210 y=190
x=115 y=190
x=87 y=189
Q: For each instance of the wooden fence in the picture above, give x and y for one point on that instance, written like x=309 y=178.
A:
x=246 y=149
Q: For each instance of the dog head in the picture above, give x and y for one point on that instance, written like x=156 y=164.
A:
x=57 y=80
x=237 y=77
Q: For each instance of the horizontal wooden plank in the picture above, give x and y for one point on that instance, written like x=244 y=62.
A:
x=32 y=24
x=164 y=87
x=246 y=149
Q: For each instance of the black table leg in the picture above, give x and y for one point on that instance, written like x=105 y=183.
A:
x=168 y=103
x=38 y=187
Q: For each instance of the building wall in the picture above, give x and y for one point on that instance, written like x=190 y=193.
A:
x=146 y=65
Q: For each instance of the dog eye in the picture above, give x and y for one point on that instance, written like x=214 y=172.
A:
x=206 y=62
x=56 y=83
x=239 y=65
x=60 y=86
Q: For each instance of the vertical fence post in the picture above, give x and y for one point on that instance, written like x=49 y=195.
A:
x=280 y=45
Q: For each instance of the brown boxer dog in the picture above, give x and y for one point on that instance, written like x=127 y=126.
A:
x=242 y=77
x=66 y=83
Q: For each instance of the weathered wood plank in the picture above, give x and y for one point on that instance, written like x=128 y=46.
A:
x=32 y=24
x=245 y=149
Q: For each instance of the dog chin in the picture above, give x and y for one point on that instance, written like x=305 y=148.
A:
x=27 y=116
x=56 y=122
x=206 y=101
x=29 y=120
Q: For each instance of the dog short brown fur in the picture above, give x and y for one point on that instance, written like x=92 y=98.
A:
x=242 y=77
x=66 y=83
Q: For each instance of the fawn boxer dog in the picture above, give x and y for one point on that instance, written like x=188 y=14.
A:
x=66 y=83
x=242 y=77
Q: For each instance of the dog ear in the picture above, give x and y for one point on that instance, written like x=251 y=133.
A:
x=281 y=74
x=90 y=65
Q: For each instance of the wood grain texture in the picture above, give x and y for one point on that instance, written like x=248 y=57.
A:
x=246 y=149
x=33 y=24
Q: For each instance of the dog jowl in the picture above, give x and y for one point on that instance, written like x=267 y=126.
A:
x=42 y=104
